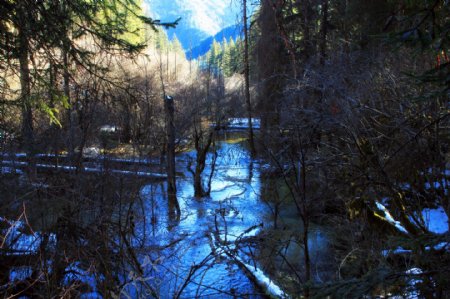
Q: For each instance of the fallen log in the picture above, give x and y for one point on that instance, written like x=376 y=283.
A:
x=99 y=170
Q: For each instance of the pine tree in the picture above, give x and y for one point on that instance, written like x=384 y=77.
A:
x=225 y=57
x=161 y=41
x=215 y=57
x=44 y=26
x=235 y=56
x=177 y=47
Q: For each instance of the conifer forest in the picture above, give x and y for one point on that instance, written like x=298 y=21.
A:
x=225 y=149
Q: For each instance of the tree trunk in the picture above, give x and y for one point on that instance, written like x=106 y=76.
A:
x=305 y=217
x=174 y=208
x=307 y=13
x=272 y=61
x=198 y=186
x=25 y=92
x=247 y=81
x=65 y=48
x=70 y=117
x=324 y=31
x=175 y=65
x=200 y=165
x=307 y=256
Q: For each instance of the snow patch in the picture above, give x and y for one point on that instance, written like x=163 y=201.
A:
x=20 y=273
x=242 y=123
x=390 y=219
x=401 y=250
x=264 y=281
x=10 y=170
x=436 y=220
x=234 y=237
x=91 y=152
x=412 y=292
x=74 y=273
x=15 y=242
x=259 y=276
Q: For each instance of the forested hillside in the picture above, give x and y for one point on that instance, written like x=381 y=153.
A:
x=306 y=156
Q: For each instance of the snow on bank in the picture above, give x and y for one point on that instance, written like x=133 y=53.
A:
x=14 y=241
x=76 y=274
x=231 y=237
x=14 y=163
x=10 y=170
x=264 y=281
x=412 y=292
x=443 y=184
x=242 y=123
x=388 y=217
x=257 y=275
x=436 y=220
x=20 y=273
x=238 y=123
x=400 y=250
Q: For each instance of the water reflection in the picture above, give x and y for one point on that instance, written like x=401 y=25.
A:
x=232 y=207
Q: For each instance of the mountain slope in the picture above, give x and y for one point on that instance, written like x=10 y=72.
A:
x=204 y=46
x=200 y=19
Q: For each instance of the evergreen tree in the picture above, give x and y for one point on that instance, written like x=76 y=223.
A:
x=214 y=57
x=161 y=41
x=225 y=57
x=45 y=26
x=177 y=47
x=236 y=56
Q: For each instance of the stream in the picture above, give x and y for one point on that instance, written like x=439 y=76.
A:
x=233 y=211
x=212 y=251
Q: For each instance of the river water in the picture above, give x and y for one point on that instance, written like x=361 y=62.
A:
x=212 y=251
x=181 y=253
x=180 y=257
